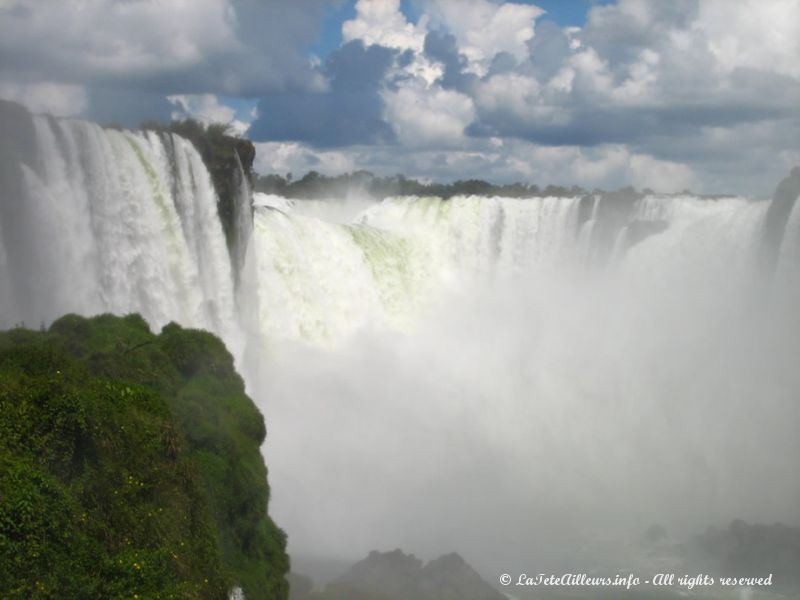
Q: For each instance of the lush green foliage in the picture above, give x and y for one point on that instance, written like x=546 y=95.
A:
x=130 y=467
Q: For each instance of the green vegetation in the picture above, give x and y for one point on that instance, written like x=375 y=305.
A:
x=316 y=186
x=130 y=467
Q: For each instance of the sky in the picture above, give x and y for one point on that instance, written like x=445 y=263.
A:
x=698 y=94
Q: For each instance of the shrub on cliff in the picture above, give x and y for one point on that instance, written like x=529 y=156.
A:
x=130 y=466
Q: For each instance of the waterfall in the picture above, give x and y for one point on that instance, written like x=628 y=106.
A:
x=486 y=373
x=243 y=218
x=116 y=221
x=320 y=281
x=468 y=373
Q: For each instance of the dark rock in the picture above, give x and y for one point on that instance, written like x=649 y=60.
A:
x=449 y=577
x=398 y=576
x=639 y=230
x=783 y=200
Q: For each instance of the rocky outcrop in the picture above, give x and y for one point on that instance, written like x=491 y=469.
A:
x=398 y=576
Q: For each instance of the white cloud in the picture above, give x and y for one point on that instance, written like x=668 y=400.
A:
x=756 y=34
x=660 y=175
x=640 y=84
x=180 y=46
x=207 y=109
x=591 y=167
x=659 y=93
x=108 y=37
x=520 y=97
x=296 y=158
x=382 y=22
x=591 y=75
x=484 y=28
x=423 y=117
x=61 y=100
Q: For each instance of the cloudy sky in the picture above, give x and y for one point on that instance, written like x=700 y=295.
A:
x=702 y=94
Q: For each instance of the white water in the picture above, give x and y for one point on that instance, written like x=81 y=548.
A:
x=118 y=222
x=489 y=375
x=549 y=381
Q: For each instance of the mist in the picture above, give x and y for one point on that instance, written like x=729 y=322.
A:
x=558 y=382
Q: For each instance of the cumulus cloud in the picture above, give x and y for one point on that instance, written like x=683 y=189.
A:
x=297 y=158
x=349 y=112
x=382 y=22
x=61 y=100
x=421 y=117
x=165 y=48
x=631 y=94
x=102 y=39
x=661 y=175
x=484 y=29
x=757 y=35
x=207 y=109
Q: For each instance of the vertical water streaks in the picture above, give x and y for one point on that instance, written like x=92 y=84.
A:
x=116 y=221
x=243 y=219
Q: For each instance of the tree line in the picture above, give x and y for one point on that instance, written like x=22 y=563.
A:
x=315 y=186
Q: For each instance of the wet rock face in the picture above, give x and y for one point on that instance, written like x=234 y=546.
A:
x=16 y=132
x=783 y=201
x=398 y=576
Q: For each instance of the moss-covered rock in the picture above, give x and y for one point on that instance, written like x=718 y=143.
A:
x=130 y=466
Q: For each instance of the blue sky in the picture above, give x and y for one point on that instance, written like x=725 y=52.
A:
x=700 y=94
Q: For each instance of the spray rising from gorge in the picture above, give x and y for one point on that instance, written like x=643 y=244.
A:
x=477 y=373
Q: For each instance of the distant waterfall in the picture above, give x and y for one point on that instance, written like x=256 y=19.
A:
x=320 y=280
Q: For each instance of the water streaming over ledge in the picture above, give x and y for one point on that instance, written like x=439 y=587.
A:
x=440 y=374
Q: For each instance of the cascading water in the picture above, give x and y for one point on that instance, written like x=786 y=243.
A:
x=243 y=219
x=558 y=374
x=479 y=374
x=116 y=221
